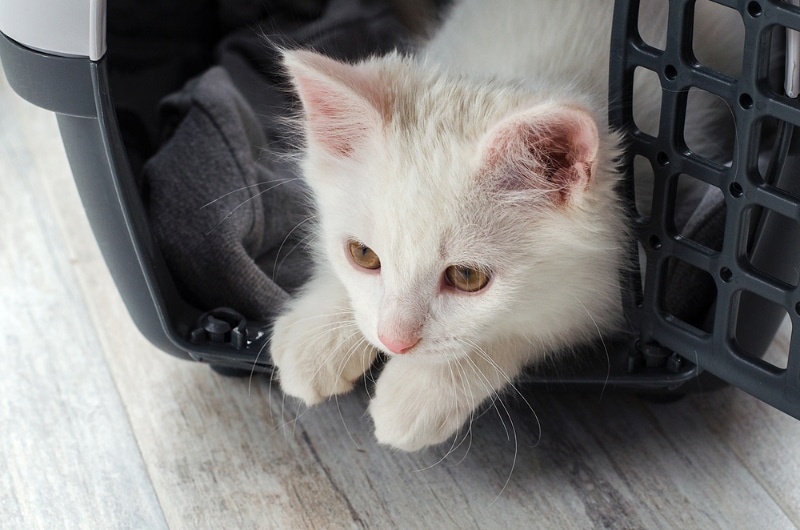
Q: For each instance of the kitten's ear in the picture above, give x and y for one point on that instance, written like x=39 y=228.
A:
x=551 y=148
x=343 y=103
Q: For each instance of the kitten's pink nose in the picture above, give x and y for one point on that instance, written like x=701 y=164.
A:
x=398 y=345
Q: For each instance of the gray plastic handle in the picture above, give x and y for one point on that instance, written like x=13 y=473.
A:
x=69 y=28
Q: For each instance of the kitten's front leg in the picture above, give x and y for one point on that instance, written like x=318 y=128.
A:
x=316 y=344
x=421 y=402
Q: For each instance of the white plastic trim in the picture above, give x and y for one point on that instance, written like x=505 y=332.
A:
x=72 y=28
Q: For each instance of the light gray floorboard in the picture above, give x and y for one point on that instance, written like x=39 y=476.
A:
x=232 y=453
x=68 y=457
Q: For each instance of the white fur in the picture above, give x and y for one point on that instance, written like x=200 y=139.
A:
x=414 y=189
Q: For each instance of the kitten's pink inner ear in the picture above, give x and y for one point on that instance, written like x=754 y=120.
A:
x=551 y=149
x=343 y=103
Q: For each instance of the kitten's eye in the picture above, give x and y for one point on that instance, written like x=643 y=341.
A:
x=363 y=256
x=467 y=279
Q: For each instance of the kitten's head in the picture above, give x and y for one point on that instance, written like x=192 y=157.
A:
x=455 y=212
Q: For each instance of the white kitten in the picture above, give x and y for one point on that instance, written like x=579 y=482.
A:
x=467 y=216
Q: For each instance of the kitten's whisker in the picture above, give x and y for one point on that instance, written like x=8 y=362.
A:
x=293 y=420
x=329 y=356
x=346 y=313
x=369 y=376
x=329 y=327
x=353 y=350
x=455 y=444
x=492 y=393
x=257 y=195
x=513 y=431
x=243 y=188
x=488 y=388
x=603 y=342
x=456 y=398
x=486 y=357
x=468 y=435
x=255 y=363
x=275 y=265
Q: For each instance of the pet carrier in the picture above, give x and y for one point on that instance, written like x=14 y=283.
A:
x=712 y=290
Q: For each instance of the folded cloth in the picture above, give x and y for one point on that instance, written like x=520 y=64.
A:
x=226 y=205
x=218 y=200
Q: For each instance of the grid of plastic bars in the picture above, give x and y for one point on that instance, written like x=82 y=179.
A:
x=755 y=269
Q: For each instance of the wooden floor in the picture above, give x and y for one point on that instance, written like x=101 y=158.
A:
x=100 y=430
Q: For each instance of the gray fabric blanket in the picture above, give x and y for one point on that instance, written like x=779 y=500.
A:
x=218 y=203
x=226 y=206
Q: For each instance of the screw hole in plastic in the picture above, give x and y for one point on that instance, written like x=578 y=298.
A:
x=746 y=101
x=670 y=72
x=754 y=9
x=655 y=242
x=726 y=274
x=736 y=189
x=662 y=159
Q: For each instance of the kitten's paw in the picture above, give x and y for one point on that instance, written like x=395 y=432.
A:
x=318 y=355
x=417 y=405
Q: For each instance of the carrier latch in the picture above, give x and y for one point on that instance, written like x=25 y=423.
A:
x=221 y=325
